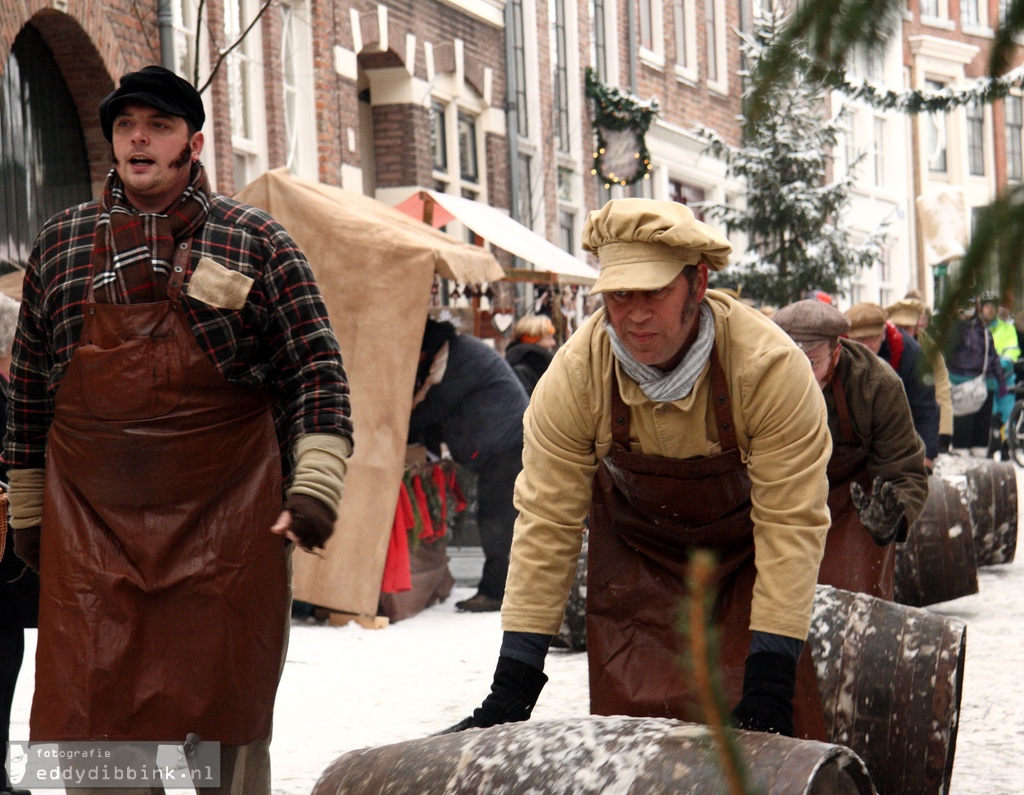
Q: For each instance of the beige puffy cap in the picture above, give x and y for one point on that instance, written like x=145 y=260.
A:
x=643 y=244
x=906 y=312
x=812 y=322
x=866 y=320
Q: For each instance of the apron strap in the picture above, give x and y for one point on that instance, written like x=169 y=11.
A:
x=720 y=402
x=620 y=413
x=179 y=267
x=842 y=409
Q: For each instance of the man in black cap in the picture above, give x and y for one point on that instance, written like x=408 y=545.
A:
x=878 y=483
x=179 y=413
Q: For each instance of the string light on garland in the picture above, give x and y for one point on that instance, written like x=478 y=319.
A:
x=620 y=123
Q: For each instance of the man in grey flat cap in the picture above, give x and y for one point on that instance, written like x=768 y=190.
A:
x=878 y=483
x=677 y=418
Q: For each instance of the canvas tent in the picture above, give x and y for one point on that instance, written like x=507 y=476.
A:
x=375 y=266
x=10 y=284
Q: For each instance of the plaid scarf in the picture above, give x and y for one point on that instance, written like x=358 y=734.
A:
x=132 y=251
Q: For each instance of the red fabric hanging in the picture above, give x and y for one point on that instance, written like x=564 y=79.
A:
x=437 y=475
x=397 y=574
x=428 y=531
x=453 y=485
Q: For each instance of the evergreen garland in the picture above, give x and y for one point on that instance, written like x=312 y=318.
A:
x=982 y=91
x=614 y=110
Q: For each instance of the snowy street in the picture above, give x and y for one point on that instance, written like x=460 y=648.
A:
x=347 y=687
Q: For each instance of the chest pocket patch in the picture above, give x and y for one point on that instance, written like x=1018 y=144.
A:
x=218 y=286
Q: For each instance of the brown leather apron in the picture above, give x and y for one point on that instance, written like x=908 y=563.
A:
x=164 y=592
x=648 y=514
x=852 y=560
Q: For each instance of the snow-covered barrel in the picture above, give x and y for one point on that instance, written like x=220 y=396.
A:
x=573 y=632
x=990 y=490
x=937 y=563
x=592 y=756
x=891 y=678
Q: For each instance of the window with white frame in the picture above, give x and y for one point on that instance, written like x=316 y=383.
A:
x=930 y=8
x=186 y=38
x=297 y=81
x=469 y=161
x=1014 y=124
x=885 y=291
x=567 y=209
x=244 y=90
x=714 y=43
x=684 y=36
x=524 y=201
x=454 y=138
x=519 y=66
x=652 y=36
x=599 y=40
x=935 y=134
x=438 y=138
x=560 y=69
x=971 y=12
x=690 y=195
x=976 y=139
x=878 y=151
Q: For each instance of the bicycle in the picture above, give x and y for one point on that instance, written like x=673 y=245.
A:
x=1015 y=424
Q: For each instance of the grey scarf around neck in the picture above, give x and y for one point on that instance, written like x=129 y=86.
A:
x=677 y=384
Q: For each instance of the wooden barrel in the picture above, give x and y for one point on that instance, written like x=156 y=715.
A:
x=990 y=490
x=891 y=678
x=591 y=756
x=573 y=632
x=937 y=563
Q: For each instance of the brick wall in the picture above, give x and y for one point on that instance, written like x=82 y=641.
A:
x=92 y=44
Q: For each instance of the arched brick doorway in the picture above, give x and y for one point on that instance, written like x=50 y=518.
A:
x=44 y=165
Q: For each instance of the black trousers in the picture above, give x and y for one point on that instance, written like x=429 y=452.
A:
x=12 y=650
x=496 y=516
x=973 y=430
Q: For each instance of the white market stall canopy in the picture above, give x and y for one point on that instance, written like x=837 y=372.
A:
x=492 y=225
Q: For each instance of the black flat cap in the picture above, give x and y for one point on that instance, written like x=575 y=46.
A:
x=157 y=87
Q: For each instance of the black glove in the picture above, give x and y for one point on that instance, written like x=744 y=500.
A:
x=26 y=545
x=944 y=442
x=882 y=512
x=514 y=692
x=769 y=680
x=312 y=521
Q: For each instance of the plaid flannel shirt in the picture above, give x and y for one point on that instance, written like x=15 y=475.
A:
x=280 y=341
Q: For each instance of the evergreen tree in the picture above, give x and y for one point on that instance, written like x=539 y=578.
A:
x=793 y=216
x=827 y=32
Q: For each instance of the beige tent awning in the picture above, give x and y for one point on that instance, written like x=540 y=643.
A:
x=500 y=230
x=375 y=267
x=10 y=284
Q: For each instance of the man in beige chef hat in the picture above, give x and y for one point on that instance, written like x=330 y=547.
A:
x=675 y=418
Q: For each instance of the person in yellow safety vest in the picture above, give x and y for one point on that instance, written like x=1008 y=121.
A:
x=1007 y=345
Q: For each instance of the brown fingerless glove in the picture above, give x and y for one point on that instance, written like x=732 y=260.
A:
x=26 y=545
x=312 y=521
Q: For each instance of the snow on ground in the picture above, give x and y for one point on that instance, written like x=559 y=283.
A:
x=347 y=687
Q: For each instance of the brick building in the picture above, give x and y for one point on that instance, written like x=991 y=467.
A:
x=483 y=99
